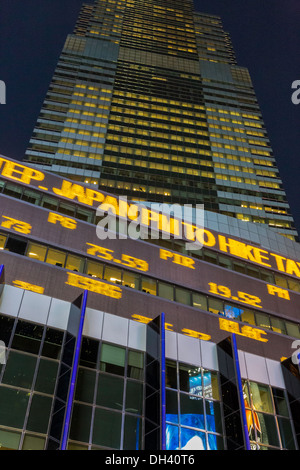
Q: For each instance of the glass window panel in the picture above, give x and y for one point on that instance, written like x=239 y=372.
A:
x=9 y=440
x=19 y=370
x=246 y=393
x=239 y=267
x=3 y=239
x=112 y=359
x=13 y=191
x=199 y=301
x=262 y=320
x=75 y=263
x=232 y=311
x=210 y=257
x=135 y=365
x=280 y=402
x=131 y=280
x=132 y=433
x=73 y=446
x=171 y=406
x=149 y=285
x=81 y=422
x=85 y=385
x=192 y=440
x=278 y=325
x=55 y=257
x=197 y=254
x=183 y=296
x=49 y=203
x=292 y=329
x=267 y=432
x=113 y=275
x=286 y=434
x=110 y=391
x=107 y=428
x=171 y=374
x=94 y=269
x=33 y=442
x=225 y=262
x=134 y=397
x=261 y=397
x=66 y=209
x=81 y=214
x=253 y=272
x=215 y=442
x=16 y=245
x=281 y=281
x=52 y=343
x=27 y=337
x=89 y=352
x=166 y=291
x=266 y=276
x=6 y=326
x=39 y=414
x=31 y=197
x=172 y=437
x=294 y=285
x=13 y=406
x=46 y=377
x=36 y=251
x=211 y=384
x=191 y=411
x=248 y=316
x=215 y=306
x=190 y=379
x=213 y=416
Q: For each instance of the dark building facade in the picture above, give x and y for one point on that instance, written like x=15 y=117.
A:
x=130 y=344
x=147 y=101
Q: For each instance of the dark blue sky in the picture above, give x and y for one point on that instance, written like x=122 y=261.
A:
x=266 y=39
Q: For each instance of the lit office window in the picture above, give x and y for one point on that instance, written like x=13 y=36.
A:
x=2 y=242
x=36 y=251
x=55 y=257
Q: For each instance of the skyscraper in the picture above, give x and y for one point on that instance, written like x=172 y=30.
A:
x=115 y=343
x=147 y=101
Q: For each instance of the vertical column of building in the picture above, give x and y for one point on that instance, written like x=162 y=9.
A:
x=65 y=387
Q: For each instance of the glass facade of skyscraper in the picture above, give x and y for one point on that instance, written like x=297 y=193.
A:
x=147 y=100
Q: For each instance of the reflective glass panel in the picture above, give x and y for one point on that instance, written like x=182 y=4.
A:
x=107 y=428
x=261 y=397
x=36 y=251
x=191 y=411
x=55 y=257
x=172 y=437
x=110 y=391
x=19 y=370
x=192 y=440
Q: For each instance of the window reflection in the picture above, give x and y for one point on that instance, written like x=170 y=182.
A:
x=55 y=257
x=37 y=252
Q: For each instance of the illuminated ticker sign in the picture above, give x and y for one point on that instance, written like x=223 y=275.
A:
x=242 y=297
x=242 y=330
x=27 y=286
x=108 y=255
x=93 y=285
x=93 y=198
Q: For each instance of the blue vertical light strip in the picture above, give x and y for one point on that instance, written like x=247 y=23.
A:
x=1 y=270
x=240 y=391
x=163 y=381
x=70 y=399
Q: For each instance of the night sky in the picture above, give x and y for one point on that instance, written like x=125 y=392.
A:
x=266 y=40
